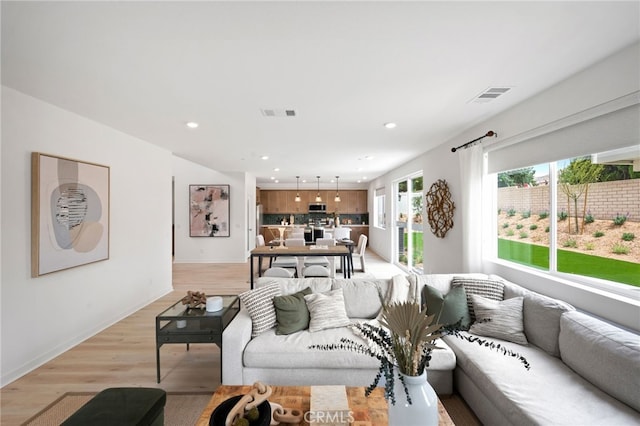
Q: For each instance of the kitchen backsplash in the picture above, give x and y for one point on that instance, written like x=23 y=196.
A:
x=303 y=219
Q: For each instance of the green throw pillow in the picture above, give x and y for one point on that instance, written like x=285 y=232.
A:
x=449 y=308
x=291 y=312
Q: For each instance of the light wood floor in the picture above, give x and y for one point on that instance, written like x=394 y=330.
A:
x=124 y=354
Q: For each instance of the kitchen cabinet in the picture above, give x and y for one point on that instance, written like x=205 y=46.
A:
x=274 y=201
x=283 y=201
x=356 y=231
x=353 y=201
x=292 y=205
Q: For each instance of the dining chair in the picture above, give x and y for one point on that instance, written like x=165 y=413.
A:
x=316 y=271
x=286 y=261
x=326 y=261
x=360 y=249
x=297 y=233
x=342 y=233
x=296 y=242
x=279 y=272
x=260 y=243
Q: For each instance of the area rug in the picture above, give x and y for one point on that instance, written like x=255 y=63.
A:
x=181 y=408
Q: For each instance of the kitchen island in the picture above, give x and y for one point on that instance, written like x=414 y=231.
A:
x=270 y=232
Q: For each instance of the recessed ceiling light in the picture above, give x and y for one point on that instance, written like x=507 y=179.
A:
x=390 y=125
x=276 y=181
x=265 y=157
x=192 y=124
x=277 y=169
x=272 y=177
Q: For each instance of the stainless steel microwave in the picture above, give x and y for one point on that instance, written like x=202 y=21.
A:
x=317 y=208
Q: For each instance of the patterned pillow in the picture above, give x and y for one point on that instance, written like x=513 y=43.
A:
x=327 y=310
x=502 y=320
x=259 y=303
x=490 y=289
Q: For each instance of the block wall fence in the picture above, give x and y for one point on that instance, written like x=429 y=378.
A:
x=605 y=200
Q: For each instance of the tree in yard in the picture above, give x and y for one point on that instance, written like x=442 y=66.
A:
x=518 y=177
x=574 y=181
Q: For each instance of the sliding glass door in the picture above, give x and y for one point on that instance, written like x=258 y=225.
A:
x=408 y=223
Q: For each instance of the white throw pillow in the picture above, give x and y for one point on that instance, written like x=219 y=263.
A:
x=500 y=319
x=259 y=303
x=326 y=310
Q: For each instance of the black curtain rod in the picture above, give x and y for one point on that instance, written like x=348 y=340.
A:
x=464 y=145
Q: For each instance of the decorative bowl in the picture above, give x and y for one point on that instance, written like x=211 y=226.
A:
x=219 y=415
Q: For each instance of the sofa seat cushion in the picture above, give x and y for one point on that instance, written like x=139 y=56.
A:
x=541 y=395
x=269 y=350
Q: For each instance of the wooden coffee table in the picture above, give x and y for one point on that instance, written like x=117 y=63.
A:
x=366 y=411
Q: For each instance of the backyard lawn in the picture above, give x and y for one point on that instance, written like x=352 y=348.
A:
x=571 y=262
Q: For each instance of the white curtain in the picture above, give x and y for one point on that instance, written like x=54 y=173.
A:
x=471 y=165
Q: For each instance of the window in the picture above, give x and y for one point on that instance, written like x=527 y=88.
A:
x=593 y=196
x=578 y=216
x=380 y=212
x=408 y=224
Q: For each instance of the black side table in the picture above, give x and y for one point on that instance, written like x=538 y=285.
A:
x=181 y=324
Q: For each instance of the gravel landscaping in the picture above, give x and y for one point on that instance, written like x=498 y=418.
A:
x=600 y=238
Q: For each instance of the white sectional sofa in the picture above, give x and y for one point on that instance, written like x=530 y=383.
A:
x=583 y=370
x=287 y=359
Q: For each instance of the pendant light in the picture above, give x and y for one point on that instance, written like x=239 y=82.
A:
x=318 y=197
x=297 y=199
x=337 y=199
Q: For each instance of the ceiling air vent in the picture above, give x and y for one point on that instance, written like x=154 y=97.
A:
x=278 y=112
x=490 y=94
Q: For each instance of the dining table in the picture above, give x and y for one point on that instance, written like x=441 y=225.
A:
x=341 y=251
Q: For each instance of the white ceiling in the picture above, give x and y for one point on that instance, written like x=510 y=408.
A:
x=146 y=68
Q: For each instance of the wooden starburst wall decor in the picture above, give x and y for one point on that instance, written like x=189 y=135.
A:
x=440 y=208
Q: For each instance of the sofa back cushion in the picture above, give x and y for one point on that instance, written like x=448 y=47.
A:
x=442 y=282
x=602 y=353
x=362 y=296
x=542 y=321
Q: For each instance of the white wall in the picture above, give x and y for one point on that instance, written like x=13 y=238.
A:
x=42 y=317
x=610 y=79
x=232 y=249
x=434 y=165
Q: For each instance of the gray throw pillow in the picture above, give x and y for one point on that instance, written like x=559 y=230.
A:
x=448 y=308
x=292 y=314
x=499 y=319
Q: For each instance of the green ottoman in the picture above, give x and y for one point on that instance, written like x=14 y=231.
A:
x=122 y=406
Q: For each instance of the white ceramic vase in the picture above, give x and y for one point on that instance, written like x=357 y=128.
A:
x=423 y=409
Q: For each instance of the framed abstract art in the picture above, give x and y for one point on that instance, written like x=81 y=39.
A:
x=69 y=213
x=208 y=210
